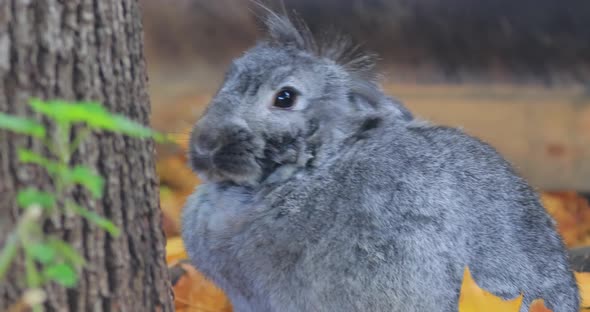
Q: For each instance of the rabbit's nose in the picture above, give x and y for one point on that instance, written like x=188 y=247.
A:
x=206 y=143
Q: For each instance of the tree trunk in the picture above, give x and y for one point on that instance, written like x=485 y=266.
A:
x=86 y=50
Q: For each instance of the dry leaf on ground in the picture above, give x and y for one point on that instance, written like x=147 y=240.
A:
x=572 y=213
x=475 y=299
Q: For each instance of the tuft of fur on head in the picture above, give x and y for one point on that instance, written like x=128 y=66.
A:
x=293 y=32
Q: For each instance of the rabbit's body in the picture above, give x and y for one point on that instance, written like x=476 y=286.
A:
x=388 y=225
x=360 y=209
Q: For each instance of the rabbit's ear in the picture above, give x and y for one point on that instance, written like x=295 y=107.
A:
x=282 y=31
x=403 y=111
x=285 y=31
x=340 y=48
x=367 y=97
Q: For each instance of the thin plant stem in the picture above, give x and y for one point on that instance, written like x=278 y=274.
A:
x=62 y=148
x=8 y=253
x=80 y=137
x=62 y=138
x=34 y=278
x=19 y=234
x=50 y=146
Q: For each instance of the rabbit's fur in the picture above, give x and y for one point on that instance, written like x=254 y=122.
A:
x=347 y=203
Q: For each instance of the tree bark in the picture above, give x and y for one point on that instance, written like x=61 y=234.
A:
x=86 y=50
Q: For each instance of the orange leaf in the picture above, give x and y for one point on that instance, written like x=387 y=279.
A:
x=175 y=250
x=583 y=279
x=538 y=305
x=176 y=174
x=193 y=292
x=475 y=299
x=572 y=213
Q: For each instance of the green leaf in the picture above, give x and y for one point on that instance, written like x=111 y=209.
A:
x=164 y=138
x=131 y=128
x=30 y=157
x=30 y=196
x=22 y=125
x=66 y=251
x=41 y=252
x=95 y=218
x=86 y=177
x=34 y=279
x=61 y=273
x=78 y=175
x=95 y=116
x=104 y=224
x=69 y=112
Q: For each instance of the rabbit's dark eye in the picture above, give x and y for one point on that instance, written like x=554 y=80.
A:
x=285 y=98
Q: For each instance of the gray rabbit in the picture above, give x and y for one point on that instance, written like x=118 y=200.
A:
x=322 y=194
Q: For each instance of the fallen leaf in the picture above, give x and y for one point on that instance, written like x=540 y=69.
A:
x=175 y=250
x=572 y=213
x=475 y=299
x=175 y=173
x=583 y=279
x=193 y=292
x=538 y=305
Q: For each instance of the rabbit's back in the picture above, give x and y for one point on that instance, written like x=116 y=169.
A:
x=482 y=214
x=388 y=225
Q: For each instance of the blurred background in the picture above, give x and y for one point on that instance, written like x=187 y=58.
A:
x=514 y=73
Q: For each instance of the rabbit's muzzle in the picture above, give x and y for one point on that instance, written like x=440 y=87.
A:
x=227 y=153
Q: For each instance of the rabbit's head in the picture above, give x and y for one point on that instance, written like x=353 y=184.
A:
x=277 y=97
